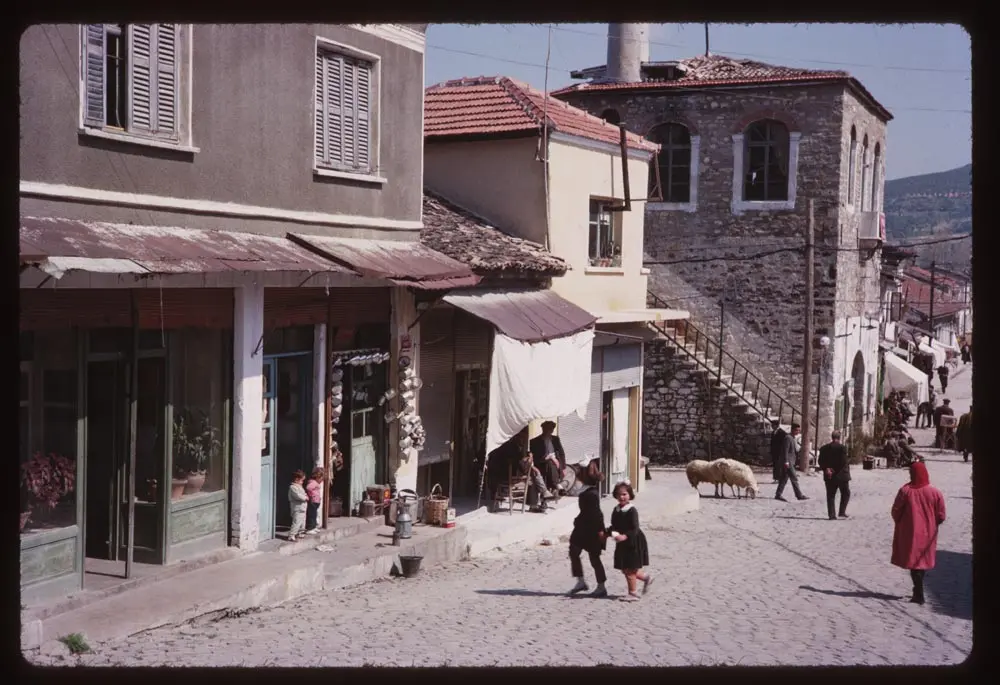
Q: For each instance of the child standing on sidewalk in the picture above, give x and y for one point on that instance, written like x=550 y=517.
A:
x=297 y=499
x=314 y=490
x=631 y=552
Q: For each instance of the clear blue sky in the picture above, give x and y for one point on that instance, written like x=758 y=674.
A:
x=921 y=72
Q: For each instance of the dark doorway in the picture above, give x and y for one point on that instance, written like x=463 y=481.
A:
x=472 y=396
x=606 y=484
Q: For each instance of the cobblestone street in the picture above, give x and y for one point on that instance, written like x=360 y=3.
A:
x=738 y=582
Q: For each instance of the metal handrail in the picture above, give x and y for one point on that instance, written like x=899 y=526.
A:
x=762 y=408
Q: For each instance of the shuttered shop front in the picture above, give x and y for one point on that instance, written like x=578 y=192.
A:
x=284 y=307
x=166 y=308
x=473 y=338
x=622 y=366
x=437 y=395
x=582 y=437
x=171 y=308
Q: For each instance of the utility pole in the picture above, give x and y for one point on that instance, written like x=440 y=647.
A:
x=930 y=318
x=808 y=363
x=707 y=53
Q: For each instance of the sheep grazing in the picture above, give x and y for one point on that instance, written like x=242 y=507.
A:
x=700 y=471
x=736 y=473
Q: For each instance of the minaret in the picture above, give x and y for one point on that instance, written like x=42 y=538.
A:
x=628 y=48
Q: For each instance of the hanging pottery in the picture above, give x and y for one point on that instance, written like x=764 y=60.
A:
x=405 y=444
x=337 y=375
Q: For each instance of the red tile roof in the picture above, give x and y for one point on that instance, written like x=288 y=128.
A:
x=941 y=280
x=491 y=105
x=717 y=70
x=917 y=296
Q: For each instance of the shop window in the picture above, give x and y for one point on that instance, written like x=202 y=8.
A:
x=200 y=363
x=48 y=422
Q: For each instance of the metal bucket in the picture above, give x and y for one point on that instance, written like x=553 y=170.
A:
x=410 y=565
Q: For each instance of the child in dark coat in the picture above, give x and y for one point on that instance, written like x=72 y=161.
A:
x=631 y=552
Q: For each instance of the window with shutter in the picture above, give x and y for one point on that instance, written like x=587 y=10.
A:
x=131 y=79
x=343 y=135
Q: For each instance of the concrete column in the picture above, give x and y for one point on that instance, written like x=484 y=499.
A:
x=403 y=463
x=319 y=392
x=248 y=392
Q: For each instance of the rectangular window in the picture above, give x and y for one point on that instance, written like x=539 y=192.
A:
x=605 y=236
x=343 y=112
x=131 y=79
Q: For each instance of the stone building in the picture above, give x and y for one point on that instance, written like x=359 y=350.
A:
x=745 y=145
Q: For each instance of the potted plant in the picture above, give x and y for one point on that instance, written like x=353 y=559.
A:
x=45 y=480
x=196 y=441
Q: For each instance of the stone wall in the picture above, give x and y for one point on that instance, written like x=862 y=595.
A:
x=686 y=416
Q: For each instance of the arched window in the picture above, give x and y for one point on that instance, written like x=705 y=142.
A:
x=864 y=174
x=611 y=116
x=852 y=166
x=674 y=162
x=876 y=161
x=765 y=161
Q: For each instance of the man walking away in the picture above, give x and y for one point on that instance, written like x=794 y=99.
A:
x=777 y=450
x=836 y=474
x=788 y=458
x=943 y=377
x=963 y=434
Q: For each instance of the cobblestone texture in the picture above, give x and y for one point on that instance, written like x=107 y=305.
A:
x=751 y=582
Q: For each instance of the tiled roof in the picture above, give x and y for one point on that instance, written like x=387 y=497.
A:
x=490 y=105
x=487 y=250
x=917 y=296
x=719 y=70
x=940 y=279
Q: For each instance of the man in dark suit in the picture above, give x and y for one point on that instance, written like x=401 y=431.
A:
x=944 y=410
x=777 y=449
x=833 y=459
x=549 y=456
x=789 y=454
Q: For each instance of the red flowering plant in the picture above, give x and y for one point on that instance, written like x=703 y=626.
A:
x=46 y=480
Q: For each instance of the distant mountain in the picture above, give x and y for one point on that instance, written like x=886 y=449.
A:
x=930 y=203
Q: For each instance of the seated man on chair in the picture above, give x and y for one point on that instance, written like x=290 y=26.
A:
x=549 y=456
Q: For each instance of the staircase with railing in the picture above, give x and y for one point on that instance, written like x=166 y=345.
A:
x=728 y=371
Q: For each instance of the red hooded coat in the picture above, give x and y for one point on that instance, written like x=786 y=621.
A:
x=918 y=511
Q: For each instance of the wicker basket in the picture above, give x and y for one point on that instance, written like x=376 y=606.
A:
x=435 y=507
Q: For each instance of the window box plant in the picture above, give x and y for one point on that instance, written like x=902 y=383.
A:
x=45 y=481
x=196 y=446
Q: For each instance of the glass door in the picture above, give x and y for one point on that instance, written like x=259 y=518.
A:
x=107 y=432
x=267 y=443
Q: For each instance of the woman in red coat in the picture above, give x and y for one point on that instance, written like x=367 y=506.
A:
x=917 y=511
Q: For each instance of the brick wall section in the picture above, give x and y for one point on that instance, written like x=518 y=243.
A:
x=765 y=296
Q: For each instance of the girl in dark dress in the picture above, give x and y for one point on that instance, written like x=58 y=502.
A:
x=631 y=552
x=588 y=530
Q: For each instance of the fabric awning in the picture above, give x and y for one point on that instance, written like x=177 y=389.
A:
x=59 y=246
x=524 y=315
x=903 y=376
x=405 y=263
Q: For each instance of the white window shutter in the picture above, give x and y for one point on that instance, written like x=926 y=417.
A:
x=142 y=95
x=334 y=88
x=350 y=113
x=364 y=72
x=93 y=75
x=166 y=79
x=319 y=141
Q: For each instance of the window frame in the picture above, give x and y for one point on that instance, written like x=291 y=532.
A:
x=694 y=168
x=374 y=173
x=739 y=205
x=604 y=206
x=181 y=140
x=852 y=167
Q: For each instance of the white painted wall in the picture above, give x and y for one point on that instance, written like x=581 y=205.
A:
x=852 y=336
x=248 y=391
x=403 y=463
x=576 y=174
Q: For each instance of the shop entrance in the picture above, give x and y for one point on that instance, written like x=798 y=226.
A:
x=124 y=502
x=472 y=396
x=286 y=444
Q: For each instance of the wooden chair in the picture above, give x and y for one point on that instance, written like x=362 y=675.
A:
x=515 y=490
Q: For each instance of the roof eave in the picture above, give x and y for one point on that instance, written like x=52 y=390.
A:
x=470 y=137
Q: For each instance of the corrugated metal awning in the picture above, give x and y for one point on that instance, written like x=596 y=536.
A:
x=59 y=246
x=525 y=315
x=407 y=263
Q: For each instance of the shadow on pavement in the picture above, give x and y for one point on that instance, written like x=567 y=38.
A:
x=949 y=585
x=859 y=594
x=803 y=518
x=518 y=592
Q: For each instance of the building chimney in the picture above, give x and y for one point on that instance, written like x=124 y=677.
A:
x=628 y=48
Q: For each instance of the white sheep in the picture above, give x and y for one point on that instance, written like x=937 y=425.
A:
x=736 y=473
x=700 y=471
